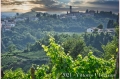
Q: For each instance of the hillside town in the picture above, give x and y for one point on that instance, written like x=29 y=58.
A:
x=88 y=13
x=10 y=22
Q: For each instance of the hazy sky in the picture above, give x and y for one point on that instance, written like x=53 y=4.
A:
x=59 y=5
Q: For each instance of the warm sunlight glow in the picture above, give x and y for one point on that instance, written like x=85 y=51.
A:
x=56 y=5
x=21 y=0
x=25 y=8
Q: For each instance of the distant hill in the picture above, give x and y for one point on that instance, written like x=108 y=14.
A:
x=7 y=14
x=12 y=14
x=28 y=14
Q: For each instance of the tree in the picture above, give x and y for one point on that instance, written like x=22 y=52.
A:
x=110 y=48
x=74 y=47
x=44 y=14
x=110 y=12
x=28 y=46
x=110 y=24
x=38 y=15
x=97 y=11
x=95 y=30
x=17 y=14
x=54 y=16
x=78 y=49
x=100 y=26
x=11 y=48
x=117 y=20
x=87 y=11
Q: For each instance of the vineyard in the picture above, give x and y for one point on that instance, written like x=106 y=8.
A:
x=63 y=66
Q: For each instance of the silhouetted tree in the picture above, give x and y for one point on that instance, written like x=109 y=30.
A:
x=87 y=11
x=17 y=14
x=97 y=11
x=38 y=15
x=11 y=48
x=110 y=24
x=100 y=26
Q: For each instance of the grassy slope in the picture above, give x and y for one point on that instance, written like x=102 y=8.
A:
x=23 y=60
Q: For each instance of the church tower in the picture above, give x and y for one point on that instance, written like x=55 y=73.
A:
x=70 y=9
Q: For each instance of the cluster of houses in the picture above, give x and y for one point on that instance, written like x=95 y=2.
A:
x=8 y=23
x=74 y=14
x=95 y=29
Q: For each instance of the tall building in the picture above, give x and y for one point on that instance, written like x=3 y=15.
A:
x=92 y=11
x=73 y=12
x=70 y=9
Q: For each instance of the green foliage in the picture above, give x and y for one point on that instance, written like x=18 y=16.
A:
x=111 y=48
x=64 y=67
x=96 y=40
x=11 y=48
x=100 y=26
x=110 y=24
x=74 y=47
x=23 y=60
x=17 y=74
x=30 y=31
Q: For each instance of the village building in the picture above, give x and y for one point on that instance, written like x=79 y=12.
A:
x=95 y=29
x=6 y=24
x=90 y=30
x=110 y=30
x=7 y=28
x=91 y=12
x=100 y=30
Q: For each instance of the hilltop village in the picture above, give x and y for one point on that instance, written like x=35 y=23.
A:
x=10 y=22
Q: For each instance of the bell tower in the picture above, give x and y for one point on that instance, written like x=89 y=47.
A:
x=70 y=9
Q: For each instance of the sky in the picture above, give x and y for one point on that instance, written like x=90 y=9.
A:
x=59 y=5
